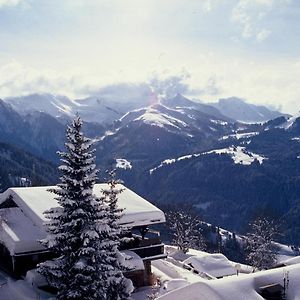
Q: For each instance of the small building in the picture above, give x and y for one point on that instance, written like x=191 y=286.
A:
x=210 y=265
x=22 y=226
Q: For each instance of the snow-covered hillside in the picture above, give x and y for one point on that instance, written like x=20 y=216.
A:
x=240 y=110
x=290 y=122
x=239 y=155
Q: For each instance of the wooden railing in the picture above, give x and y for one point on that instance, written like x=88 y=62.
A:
x=149 y=252
x=146 y=248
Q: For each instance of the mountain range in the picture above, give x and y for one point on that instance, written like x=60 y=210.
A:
x=172 y=151
x=111 y=105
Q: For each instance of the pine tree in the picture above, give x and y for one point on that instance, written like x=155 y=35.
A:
x=78 y=229
x=119 y=287
x=186 y=230
x=233 y=249
x=261 y=252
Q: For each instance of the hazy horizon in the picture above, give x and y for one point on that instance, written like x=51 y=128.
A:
x=206 y=49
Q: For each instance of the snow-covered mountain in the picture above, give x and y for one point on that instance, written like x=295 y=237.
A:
x=110 y=105
x=107 y=105
x=92 y=109
x=238 y=109
x=150 y=134
x=212 y=163
x=187 y=150
x=291 y=123
x=47 y=103
x=37 y=132
x=183 y=119
x=181 y=101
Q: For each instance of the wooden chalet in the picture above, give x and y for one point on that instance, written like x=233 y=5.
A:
x=22 y=226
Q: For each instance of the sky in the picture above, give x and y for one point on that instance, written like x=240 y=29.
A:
x=205 y=49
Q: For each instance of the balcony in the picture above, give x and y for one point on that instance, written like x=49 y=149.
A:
x=148 y=248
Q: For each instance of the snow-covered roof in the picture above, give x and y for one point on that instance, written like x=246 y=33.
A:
x=18 y=232
x=238 y=287
x=131 y=260
x=25 y=222
x=214 y=265
x=291 y=261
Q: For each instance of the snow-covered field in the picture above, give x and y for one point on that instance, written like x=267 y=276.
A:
x=240 y=155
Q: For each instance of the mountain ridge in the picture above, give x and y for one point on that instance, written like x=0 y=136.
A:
x=105 y=109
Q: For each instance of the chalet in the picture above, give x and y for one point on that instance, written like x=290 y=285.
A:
x=22 y=220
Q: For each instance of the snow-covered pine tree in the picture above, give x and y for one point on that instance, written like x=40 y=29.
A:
x=119 y=287
x=186 y=230
x=260 y=250
x=77 y=229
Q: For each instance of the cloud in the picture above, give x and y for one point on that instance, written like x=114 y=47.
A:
x=209 y=78
x=10 y=3
x=262 y=35
x=17 y=79
x=209 y=5
x=210 y=88
x=248 y=14
x=229 y=48
x=168 y=86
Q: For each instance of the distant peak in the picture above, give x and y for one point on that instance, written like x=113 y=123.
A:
x=235 y=100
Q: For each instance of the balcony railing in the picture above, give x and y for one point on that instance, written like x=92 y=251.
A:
x=147 y=248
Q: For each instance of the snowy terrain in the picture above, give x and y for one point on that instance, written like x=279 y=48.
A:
x=290 y=122
x=179 y=283
x=239 y=136
x=155 y=118
x=122 y=163
x=175 y=281
x=239 y=155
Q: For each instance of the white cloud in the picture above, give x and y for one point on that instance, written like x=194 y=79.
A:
x=209 y=5
x=92 y=44
x=210 y=77
x=262 y=35
x=10 y=2
x=248 y=14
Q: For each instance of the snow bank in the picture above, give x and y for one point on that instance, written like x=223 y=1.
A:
x=214 y=265
x=291 y=261
x=175 y=284
x=22 y=290
x=131 y=260
x=239 y=155
x=122 y=163
x=239 y=287
x=35 y=279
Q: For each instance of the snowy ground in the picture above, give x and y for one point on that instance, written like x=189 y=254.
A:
x=19 y=290
x=172 y=277
x=240 y=287
x=179 y=283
